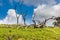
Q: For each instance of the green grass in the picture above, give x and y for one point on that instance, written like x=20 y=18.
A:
x=30 y=33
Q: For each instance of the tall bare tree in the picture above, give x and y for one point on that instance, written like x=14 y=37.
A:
x=20 y=5
x=17 y=16
x=23 y=14
x=24 y=18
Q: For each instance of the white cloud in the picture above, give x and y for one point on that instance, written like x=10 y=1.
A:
x=35 y=2
x=11 y=18
x=44 y=11
x=38 y=2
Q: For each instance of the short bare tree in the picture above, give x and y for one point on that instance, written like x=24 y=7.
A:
x=34 y=21
x=42 y=24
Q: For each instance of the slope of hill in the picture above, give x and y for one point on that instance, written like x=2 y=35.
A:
x=30 y=34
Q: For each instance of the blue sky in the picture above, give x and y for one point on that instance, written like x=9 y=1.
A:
x=31 y=6
x=6 y=5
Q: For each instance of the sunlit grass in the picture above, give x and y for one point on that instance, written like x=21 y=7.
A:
x=30 y=33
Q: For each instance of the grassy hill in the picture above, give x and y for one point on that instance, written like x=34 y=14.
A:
x=30 y=34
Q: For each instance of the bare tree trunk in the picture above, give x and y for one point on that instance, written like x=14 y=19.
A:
x=34 y=23
x=17 y=20
x=24 y=18
x=24 y=21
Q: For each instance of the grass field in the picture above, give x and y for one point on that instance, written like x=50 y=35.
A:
x=30 y=34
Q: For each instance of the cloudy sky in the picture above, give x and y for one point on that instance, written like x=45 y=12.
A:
x=43 y=9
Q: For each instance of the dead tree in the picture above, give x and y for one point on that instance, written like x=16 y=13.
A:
x=42 y=24
x=24 y=18
x=17 y=16
x=23 y=14
x=34 y=21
